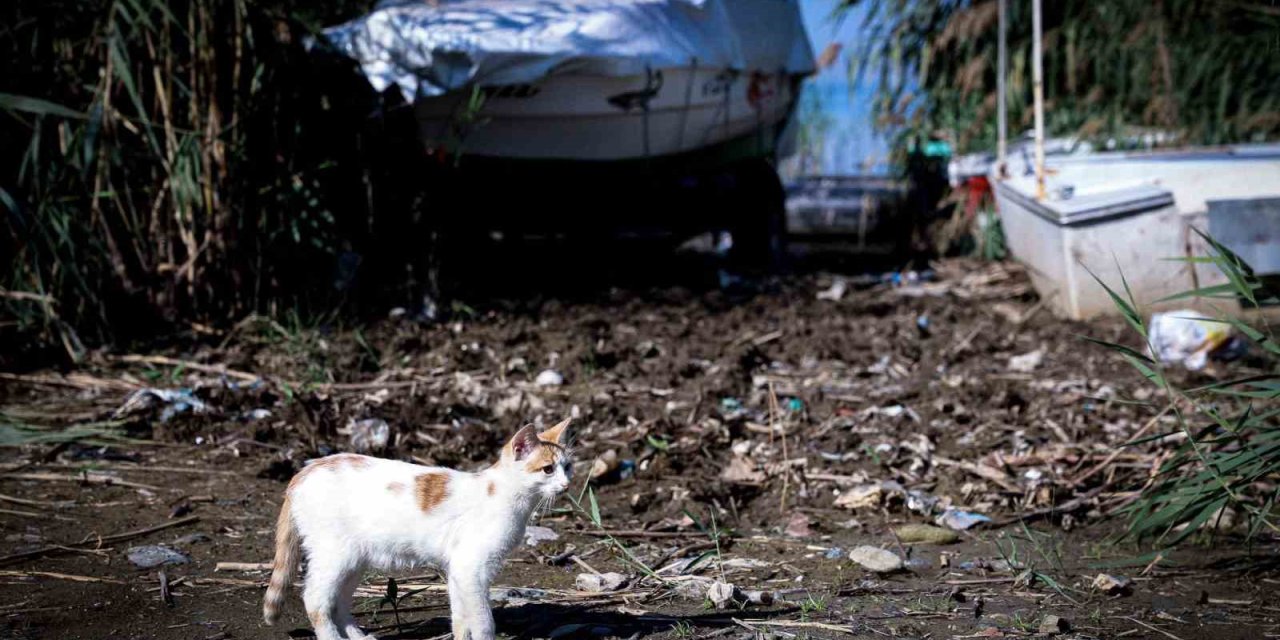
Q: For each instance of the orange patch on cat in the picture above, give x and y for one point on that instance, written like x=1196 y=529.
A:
x=396 y=487
x=541 y=457
x=492 y=488
x=329 y=462
x=431 y=489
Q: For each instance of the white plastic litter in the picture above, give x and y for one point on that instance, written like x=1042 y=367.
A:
x=1186 y=337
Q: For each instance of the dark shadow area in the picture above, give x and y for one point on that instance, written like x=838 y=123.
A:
x=570 y=621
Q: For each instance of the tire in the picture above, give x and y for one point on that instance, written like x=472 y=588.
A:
x=759 y=223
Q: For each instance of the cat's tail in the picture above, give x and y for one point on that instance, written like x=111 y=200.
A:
x=286 y=562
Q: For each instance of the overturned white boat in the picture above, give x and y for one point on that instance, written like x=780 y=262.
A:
x=591 y=80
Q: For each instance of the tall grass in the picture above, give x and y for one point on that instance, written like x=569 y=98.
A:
x=166 y=162
x=1203 y=72
x=1227 y=465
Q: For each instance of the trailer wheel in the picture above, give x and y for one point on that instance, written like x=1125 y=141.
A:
x=759 y=223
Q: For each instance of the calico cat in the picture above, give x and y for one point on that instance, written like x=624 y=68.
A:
x=350 y=513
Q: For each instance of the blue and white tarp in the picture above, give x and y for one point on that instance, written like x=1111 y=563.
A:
x=430 y=48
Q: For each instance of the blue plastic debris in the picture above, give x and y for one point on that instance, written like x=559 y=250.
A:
x=961 y=520
x=795 y=404
x=174 y=401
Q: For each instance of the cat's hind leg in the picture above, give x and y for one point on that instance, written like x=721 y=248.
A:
x=343 y=618
x=321 y=593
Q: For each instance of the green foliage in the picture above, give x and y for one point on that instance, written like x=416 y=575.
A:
x=1202 y=71
x=1228 y=460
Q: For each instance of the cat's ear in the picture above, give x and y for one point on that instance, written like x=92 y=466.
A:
x=557 y=433
x=522 y=443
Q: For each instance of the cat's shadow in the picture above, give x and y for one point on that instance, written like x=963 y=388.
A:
x=573 y=622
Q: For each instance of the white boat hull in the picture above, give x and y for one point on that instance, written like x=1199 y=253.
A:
x=1127 y=214
x=600 y=118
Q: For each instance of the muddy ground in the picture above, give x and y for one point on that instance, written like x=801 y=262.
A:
x=752 y=434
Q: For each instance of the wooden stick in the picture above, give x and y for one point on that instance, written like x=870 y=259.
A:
x=55 y=549
x=243 y=566
x=1120 y=449
x=640 y=533
x=74 y=381
x=32 y=514
x=220 y=370
x=84 y=478
x=57 y=576
x=60 y=504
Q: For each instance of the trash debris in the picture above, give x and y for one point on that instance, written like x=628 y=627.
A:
x=369 y=435
x=151 y=556
x=600 y=582
x=535 y=535
x=257 y=414
x=798 y=526
x=864 y=497
x=549 y=378
x=876 y=559
x=1187 y=337
x=910 y=533
x=605 y=465
x=1053 y=625
x=834 y=553
x=742 y=470
x=835 y=292
x=1027 y=362
x=1112 y=585
x=174 y=401
x=721 y=594
x=960 y=520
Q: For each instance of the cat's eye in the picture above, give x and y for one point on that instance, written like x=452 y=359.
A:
x=549 y=469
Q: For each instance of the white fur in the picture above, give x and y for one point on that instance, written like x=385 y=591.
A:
x=350 y=518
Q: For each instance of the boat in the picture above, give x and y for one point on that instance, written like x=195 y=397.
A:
x=588 y=80
x=1126 y=214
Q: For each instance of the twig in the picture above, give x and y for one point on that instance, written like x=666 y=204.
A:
x=95 y=542
x=84 y=478
x=982 y=471
x=243 y=566
x=640 y=533
x=74 y=381
x=58 y=576
x=1153 y=628
x=1070 y=505
x=1120 y=449
x=32 y=514
x=220 y=370
x=60 y=504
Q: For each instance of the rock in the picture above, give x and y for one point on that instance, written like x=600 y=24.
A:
x=549 y=378
x=960 y=520
x=1027 y=362
x=925 y=533
x=798 y=526
x=151 y=556
x=1112 y=585
x=535 y=535
x=876 y=560
x=867 y=496
x=600 y=582
x=721 y=594
x=1053 y=625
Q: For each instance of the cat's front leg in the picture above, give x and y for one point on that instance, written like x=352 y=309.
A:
x=469 y=603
